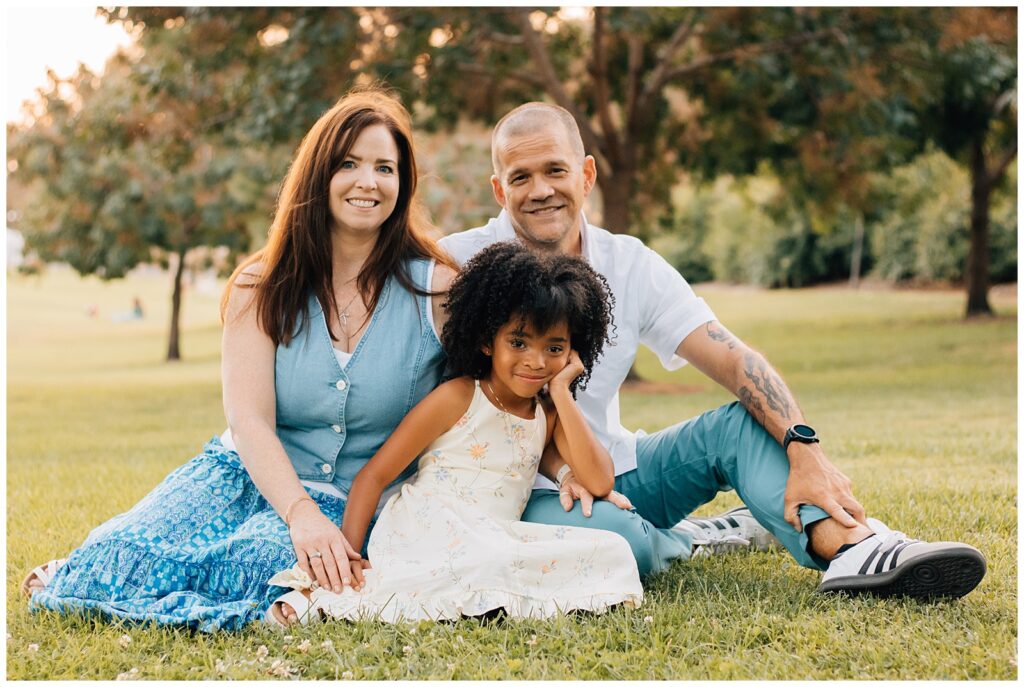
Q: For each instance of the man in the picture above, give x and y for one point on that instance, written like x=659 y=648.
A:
x=759 y=446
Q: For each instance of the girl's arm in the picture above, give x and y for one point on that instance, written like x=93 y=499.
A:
x=247 y=373
x=430 y=418
x=573 y=438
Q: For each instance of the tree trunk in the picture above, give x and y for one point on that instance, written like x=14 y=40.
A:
x=615 y=198
x=173 y=348
x=858 y=250
x=616 y=195
x=976 y=273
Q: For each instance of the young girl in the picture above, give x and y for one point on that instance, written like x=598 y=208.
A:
x=450 y=544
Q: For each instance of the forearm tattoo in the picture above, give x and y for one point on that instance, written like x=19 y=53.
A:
x=752 y=404
x=717 y=334
x=768 y=384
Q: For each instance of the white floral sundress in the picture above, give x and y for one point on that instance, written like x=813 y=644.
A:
x=451 y=544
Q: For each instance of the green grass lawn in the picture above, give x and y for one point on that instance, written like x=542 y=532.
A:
x=916 y=406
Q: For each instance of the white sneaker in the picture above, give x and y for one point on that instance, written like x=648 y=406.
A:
x=889 y=563
x=729 y=532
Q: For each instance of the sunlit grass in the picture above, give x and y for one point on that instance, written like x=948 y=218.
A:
x=916 y=406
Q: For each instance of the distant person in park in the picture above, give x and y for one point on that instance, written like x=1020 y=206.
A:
x=523 y=333
x=760 y=446
x=331 y=335
x=136 y=313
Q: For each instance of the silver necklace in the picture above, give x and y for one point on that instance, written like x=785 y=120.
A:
x=343 y=313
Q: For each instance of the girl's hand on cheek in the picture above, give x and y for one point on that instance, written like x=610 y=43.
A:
x=573 y=369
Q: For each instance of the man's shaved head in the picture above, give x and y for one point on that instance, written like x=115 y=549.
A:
x=530 y=118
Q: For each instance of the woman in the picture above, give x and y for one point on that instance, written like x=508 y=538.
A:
x=330 y=337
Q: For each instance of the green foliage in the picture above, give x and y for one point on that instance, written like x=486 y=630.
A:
x=966 y=103
x=922 y=230
x=183 y=145
x=941 y=465
x=824 y=114
x=1003 y=234
x=652 y=88
x=751 y=231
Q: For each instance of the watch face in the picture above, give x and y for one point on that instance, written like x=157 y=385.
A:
x=804 y=431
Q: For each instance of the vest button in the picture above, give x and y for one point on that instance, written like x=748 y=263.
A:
x=336 y=428
x=341 y=385
x=326 y=468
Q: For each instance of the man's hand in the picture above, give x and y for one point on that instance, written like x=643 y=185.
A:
x=571 y=490
x=814 y=480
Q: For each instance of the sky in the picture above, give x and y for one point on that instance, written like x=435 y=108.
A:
x=57 y=37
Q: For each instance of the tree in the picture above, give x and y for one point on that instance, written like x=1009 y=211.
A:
x=826 y=118
x=123 y=180
x=172 y=149
x=625 y=75
x=971 y=112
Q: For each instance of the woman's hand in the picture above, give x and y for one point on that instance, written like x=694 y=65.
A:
x=321 y=550
x=573 y=369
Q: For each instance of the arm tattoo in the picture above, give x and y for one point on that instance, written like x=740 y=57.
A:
x=717 y=334
x=752 y=404
x=768 y=383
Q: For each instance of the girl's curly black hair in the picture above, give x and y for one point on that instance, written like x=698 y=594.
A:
x=506 y=281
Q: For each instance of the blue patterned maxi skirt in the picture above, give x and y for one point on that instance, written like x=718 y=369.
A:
x=197 y=551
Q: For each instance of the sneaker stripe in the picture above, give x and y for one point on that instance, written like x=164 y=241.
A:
x=881 y=561
x=871 y=557
x=898 y=551
x=731 y=521
x=720 y=525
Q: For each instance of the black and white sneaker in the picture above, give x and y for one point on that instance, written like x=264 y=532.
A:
x=889 y=563
x=732 y=531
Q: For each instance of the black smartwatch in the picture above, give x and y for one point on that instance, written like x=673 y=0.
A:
x=805 y=434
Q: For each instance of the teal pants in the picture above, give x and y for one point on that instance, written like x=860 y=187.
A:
x=680 y=469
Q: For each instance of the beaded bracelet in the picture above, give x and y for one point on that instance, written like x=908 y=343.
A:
x=562 y=472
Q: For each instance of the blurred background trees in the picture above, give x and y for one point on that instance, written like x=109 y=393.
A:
x=775 y=146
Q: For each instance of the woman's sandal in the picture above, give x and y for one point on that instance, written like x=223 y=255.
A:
x=304 y=608
x=44 y=573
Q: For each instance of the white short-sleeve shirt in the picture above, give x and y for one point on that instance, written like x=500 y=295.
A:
x=654 y=306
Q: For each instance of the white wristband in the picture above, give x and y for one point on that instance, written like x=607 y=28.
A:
x=562 y=472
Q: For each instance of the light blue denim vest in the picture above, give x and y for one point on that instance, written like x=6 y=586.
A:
x=332 y=420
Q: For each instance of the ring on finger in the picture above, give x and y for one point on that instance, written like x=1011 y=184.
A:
x=316 y=554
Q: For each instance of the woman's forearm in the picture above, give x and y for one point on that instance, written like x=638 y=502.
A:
x=268 y=465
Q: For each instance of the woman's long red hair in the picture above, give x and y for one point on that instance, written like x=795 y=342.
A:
x=297 y=256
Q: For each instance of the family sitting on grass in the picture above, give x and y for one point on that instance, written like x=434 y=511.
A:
x=408 y=440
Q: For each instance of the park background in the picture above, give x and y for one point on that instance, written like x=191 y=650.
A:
x=867 y=153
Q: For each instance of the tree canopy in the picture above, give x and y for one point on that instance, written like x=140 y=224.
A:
x=181 y=142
